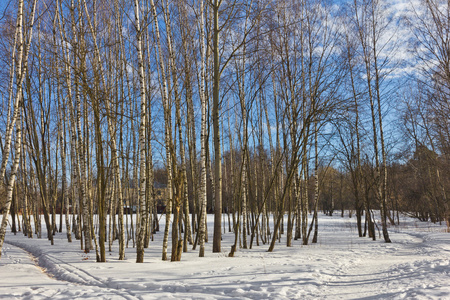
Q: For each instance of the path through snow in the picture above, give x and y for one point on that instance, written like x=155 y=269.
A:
x=340 y=266
x=24 y=276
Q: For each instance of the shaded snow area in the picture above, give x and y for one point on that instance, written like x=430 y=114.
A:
x=340 y=266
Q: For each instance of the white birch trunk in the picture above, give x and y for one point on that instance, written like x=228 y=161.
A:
x=202 y=194
x=167 y=130
x=142 y=180
x=182 y=194
x=12 y=179
x=244 y=184
x=10 y=123
x=115 y=160
x=21 y=66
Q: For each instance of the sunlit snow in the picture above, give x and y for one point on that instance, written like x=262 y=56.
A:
x=340 y=266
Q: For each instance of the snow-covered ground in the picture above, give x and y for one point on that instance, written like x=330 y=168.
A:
x=340 y=266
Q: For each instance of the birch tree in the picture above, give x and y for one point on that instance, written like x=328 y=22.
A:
x=370 y=27
x=142 y=146
x=11 y=182
x=167 y=128
x=203 y=134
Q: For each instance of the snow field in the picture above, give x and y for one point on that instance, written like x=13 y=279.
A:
x=340 y=266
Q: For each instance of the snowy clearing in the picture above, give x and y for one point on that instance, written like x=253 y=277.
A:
x=340 y=266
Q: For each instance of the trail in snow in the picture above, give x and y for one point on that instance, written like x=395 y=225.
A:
x=340 y=266
x=47 y=277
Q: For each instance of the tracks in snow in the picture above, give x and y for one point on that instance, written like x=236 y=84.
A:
x=61 y=271
x=388 y=271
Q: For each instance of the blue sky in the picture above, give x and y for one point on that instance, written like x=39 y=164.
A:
x=3 y=5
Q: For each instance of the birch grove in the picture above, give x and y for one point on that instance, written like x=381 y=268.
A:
x=118 y=116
